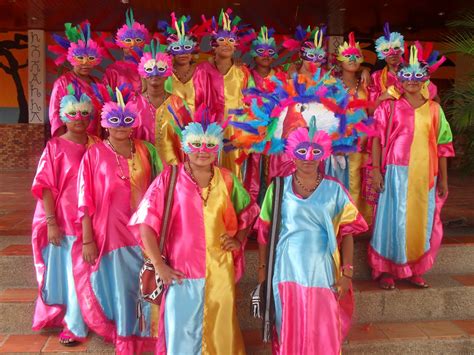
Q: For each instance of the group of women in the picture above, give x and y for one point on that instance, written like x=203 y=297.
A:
x=289 y=152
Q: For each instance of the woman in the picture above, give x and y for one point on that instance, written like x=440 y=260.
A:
x=56 y=243
x=83 y=54
x=347 y=168
x=210 y=218
x=155 y=119
x=312 y=220
x=384 y=83
x=310 y=45
x=259 y=169
x=113 y=178
x=188 y=80
x=417 y=140
x=131 y=38
x=226 y=80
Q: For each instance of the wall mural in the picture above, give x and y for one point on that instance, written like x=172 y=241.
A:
x=13 y=77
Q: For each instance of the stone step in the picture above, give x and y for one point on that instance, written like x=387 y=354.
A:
x=449 y=297
x=435 y=337
x=456 y=256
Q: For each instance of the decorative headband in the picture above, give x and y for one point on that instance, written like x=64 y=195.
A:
x=264 y=45
x=155 y=61
x=75 y=105
x=132 y=33
x=350 y=52
x=391 y=43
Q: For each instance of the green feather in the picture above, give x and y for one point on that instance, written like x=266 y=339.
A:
x=70 y=89
x=177 y=129
x=71 y=32
x=220 y=22
x=169 y=85
x=236 y=21
x=312 y=128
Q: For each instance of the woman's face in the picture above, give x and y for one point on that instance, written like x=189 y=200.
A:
x=350 y=66
x=202 y=159
x=307 y=166
x=78 y=126
x=412 y=87
x=182 y=59
x=120 y=133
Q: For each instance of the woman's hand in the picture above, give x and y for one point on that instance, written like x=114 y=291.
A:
x=377 y=180
x=365 y=78
x=54 y=234
x=442 y=188
x=343 y=286
x=89 y=252
x=167 y=274
x=229 y=243
x=385 y=96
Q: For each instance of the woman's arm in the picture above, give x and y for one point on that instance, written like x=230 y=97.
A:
x=347 y=250
x=152 y=249
x=376 y=164
x=54 y=234
x=443 y=177
x=89 y=248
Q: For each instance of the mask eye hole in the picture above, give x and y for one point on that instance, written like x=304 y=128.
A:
x=72 y=113
x=271 y=52
x=316 y=151
x=396 y=48
x=84 y=113
x=80 y=57
x=418 y=75
x=231 y=40
x=406 y=75
x=210 y=145
x=221 y=39
x=114 y=120
x=128 y=119
x=162 y=69
x=149 y=69
x=197 y=145
x=302 y=151
x=138 y=40
x=91 y=58
x=311 y=55
x=188 y=47
x=176 y=48
x=260 y=50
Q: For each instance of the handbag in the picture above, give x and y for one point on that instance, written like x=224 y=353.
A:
x=262 y=304
x=369 y=194
x=151 y=285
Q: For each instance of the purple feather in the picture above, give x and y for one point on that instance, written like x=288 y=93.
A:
x=61 y=41
x=386 y=31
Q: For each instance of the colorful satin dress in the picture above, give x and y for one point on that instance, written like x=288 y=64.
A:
x=59 y=90
x=348 y=170
x=407 y=228
x=309 y=319
x=199 y=316
x=225 y=93
x=194 y=92
x=123 y=72
x=156 y=126
x=109 y=289
x=383 y=80
x=57 y=304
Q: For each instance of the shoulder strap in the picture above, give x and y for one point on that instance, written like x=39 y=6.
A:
x=269 y=316
x=387 y=134
x=168 y=204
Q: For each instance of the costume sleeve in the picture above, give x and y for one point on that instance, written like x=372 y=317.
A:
x=348 y=220
x=45 y=174
x=263 y=222
x=201 y=87
x=246 y=209
x=381 y=117
x=168 y=141
x=54 y=105
x=85 y=185
x=151 y=208
x=155 y=161
x=445 y=137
